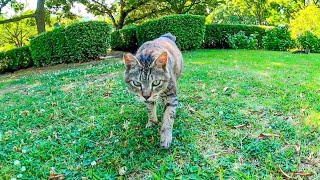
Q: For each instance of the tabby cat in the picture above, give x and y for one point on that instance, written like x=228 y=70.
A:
x=152 y=73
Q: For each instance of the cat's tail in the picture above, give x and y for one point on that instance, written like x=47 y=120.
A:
x=170 y=36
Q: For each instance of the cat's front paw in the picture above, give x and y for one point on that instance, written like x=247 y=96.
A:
x=165 y=139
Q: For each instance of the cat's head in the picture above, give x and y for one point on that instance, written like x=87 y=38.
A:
x=148 y=78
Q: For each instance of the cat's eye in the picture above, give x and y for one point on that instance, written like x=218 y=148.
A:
x=136 y=83
x=156 y=83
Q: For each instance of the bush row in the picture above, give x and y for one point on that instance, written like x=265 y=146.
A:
x=191 y=33
x=188 y=29
x=309 y=42
x=15 y=59
x=217 y=35
x=278 y=39
x=76 y=43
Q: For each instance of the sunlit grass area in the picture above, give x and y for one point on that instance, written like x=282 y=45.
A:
x=242 y=115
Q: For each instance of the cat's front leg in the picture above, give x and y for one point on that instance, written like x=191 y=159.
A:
x=171 y=103
x=152 y=114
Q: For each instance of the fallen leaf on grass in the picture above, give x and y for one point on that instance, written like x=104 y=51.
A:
x=254 y=111
x=298 y=148
x=24 y=113
x=213 y=90
x=111 y=134
x=56 y=136
x=53 y=175
x=264 y=135
x=302 y=110
x=302 y=174
x=225 y=89
x=284 y=174
x=17 y=148
x=121 y=110
x=107 y=94
x=277 y=114
x=192 y=111
x=287 y=118
x=152 y=140
x=240 y=126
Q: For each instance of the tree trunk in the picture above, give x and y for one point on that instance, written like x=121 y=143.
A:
x=40 y=17
x=120 y=23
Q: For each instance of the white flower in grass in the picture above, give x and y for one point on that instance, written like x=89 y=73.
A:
x=8 y=133
x=16 y=163
x=122 y=171
x=126 y=125
x=13 y=179
x=23 y=169
x=93 y=163
x=24 y=151
x=19 y=176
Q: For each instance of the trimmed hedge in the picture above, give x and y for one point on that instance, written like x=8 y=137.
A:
x=189 y=30
x=216 y=35
x=78 y=42
x=15 y=59
x=124 y=39
x=278 y=39
x=48 y=48
x=309 y=41
x=87 y=40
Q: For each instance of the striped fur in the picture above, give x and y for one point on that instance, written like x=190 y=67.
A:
x=153 y=73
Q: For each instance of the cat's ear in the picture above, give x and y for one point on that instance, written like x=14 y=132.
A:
x=130 y=60
x=161 y=60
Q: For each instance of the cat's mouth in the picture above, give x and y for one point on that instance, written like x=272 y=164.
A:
x=149 y=100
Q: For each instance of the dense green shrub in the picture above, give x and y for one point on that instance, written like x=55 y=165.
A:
x=87 y=40
x=76 y=43
x=216 y=35
x=48 y=48
x=309 y=41
x=278 y=39
x=15 y=59
x=189 y=30
x=3 y=62
x=242 y=41
x=124 y=39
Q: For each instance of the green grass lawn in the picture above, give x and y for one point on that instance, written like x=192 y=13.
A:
x=80 y=119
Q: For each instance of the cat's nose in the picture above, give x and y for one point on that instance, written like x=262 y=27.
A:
x=146 y=97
